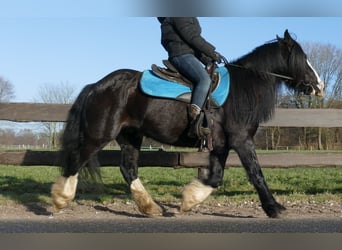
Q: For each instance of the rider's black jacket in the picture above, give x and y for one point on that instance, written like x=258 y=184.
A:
x=182 y=35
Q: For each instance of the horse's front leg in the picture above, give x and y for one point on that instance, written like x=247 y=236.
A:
x=248 y=157
x=144 y=200
x=198 y=190
x=129 y=170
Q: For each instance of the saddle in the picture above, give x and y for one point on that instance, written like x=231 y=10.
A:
x=170 y=73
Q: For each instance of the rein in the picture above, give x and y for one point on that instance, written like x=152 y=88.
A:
x=268 y=73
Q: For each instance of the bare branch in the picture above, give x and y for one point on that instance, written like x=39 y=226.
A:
x=6 y=90
x=327 y=60
x=55 y=93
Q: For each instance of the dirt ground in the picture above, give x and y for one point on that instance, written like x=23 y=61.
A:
x=129 y=210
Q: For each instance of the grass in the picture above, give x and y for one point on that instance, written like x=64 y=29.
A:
x=27 y=185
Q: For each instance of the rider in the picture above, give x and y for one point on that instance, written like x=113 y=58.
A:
x=188 y=51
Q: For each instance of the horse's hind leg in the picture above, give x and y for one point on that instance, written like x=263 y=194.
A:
x=130 y=147
x=64 y=189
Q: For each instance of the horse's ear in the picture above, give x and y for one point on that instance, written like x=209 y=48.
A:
x=287 y=35
x=288 y=39
x=279 y=39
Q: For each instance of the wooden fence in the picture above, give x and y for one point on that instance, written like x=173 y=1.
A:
x=39 y=112
x=36 y=112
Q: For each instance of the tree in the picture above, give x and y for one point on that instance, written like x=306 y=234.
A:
x=6 y=90
x=326 y=59
x=55 y=93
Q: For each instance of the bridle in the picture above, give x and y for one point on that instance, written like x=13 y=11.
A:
x=284 y=77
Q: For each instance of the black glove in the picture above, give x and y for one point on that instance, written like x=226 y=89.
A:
x=217 y=57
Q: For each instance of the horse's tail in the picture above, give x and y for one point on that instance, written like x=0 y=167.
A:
x=73 y=135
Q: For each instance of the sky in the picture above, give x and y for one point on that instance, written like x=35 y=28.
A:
x=79 y=42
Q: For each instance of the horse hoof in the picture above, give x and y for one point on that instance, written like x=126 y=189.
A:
x=185 y=207
x=194 y=193
x=58 y=204
x=152 y=210
x=144 y=201
x=63 y=191
x=276 y=211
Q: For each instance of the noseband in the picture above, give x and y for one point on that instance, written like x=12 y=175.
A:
x=309 y=84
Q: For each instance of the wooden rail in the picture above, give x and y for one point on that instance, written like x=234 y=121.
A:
x=176 y=159
x=34 y=112
x=39 y=112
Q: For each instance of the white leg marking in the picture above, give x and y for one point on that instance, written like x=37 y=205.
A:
x=194 y=193
x=63 y=191
x=143 y=199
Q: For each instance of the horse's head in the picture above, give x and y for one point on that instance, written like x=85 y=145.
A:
x=304 y=77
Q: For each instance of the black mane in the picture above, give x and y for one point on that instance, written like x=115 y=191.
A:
x=253 y=92
x=259 y=59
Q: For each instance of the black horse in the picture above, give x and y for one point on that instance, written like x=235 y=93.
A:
x=115 y=108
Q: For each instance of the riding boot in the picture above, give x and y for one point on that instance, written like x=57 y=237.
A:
x=194 y=112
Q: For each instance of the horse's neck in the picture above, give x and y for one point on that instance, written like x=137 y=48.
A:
x=256 y=84
x=266 y=58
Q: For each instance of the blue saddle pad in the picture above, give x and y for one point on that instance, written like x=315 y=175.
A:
x=153 y=85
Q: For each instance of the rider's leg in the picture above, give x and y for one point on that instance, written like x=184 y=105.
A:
x=193 y=69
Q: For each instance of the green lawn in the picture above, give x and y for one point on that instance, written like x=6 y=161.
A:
x=32 y=185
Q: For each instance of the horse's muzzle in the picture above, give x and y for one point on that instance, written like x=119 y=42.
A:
x=319 y=90
x=319 y=94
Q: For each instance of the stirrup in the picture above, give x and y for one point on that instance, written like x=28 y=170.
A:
x=201 y=131
x=197 y=129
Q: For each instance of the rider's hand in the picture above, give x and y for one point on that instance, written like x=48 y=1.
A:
x=211 y=67
x=217 y=57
